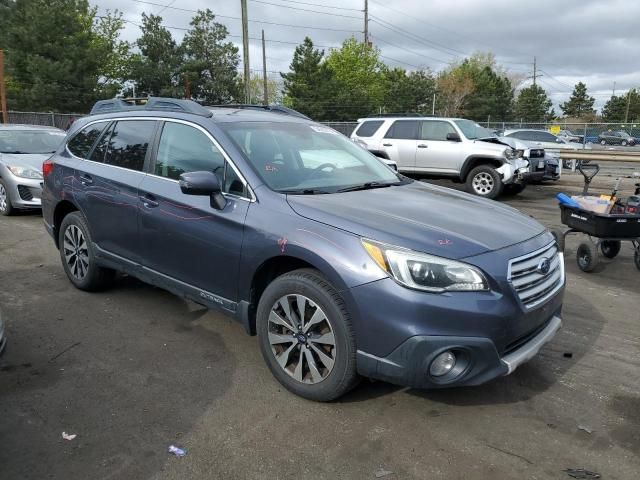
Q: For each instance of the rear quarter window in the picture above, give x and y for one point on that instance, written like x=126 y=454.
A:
x=82 y=142
x=369 y=128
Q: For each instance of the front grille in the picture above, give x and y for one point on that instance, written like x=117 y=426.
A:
x=536 y=153
x=531 y=281
x=25 y=193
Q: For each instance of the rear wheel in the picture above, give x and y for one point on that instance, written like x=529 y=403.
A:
x=77 y=255
x=623 y=143
x=5 y=202
x=603 y=142
x=306 y=336
x=610 y=248
x=484 y=181
x=587 y=256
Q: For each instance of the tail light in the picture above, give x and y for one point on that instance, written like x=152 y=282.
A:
x=47 y=167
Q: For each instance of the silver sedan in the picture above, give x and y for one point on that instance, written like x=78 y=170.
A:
x=23 y=148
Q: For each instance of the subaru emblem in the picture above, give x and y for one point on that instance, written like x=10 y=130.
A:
x=544 y=266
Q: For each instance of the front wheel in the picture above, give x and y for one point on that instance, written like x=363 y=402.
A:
x=5 y=202
x=306 y=336
x=484 y=181
x=77 y=255
x=603 y=142
x=623 y=143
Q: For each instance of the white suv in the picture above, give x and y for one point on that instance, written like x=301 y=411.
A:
x=450 y=147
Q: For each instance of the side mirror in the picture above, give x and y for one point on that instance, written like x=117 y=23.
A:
x=204 y=184
x=453 y=137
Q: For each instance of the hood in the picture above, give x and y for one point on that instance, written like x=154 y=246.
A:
x=33 y=160
x=422 y=217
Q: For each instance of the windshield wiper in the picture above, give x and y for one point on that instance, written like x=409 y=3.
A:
x=365 y=186
x=304 y=191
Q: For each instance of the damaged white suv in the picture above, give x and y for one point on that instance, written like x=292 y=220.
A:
x=446 y=147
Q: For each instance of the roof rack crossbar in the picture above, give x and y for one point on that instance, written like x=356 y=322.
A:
x=269 y=108
x=151 y=104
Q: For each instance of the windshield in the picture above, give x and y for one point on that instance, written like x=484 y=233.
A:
x=307 y=158
x=30 y=141
x=472 y=130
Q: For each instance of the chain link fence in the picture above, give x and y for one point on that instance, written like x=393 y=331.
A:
x=604 y=134
x=48 y=119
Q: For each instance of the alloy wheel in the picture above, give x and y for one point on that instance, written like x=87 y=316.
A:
x=3 y=199
x=483 y=183
x=76 y=252
x=302 y=339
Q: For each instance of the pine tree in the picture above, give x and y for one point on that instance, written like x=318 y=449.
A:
x=533 y=105
x=579 y=105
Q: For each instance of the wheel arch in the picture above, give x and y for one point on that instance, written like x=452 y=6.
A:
x=475 y=160
x=63 y=208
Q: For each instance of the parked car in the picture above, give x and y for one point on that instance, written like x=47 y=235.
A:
x=542 y=165
x=343 y=269
x=550 y=142
x=569 y=136
x=447 y=147
x=616 y=138
x=23 y=148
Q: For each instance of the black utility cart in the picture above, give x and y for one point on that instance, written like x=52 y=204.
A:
x=605 y=232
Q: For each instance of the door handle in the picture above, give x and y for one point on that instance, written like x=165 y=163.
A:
x=387 y=144
x=422 y=145
x=149 y=201
x=86 y=179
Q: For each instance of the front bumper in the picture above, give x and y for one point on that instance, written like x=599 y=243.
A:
x=24 y=192
x=400 y=331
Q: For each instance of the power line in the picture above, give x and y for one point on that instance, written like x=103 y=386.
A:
x=264 y=22
x=166 y=6
x=323 y=6
x=407 y=50
x=304 y=9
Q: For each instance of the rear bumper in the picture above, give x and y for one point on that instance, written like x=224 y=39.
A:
x=478 y=360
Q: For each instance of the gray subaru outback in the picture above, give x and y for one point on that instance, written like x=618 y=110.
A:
x=343 y=267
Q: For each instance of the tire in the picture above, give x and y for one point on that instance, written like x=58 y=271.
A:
x=514 y=188
x=603 y=142
x=6 y=208
x=610 y=248
x=623 y=143
x=485 y=182
x=587 y=257
x=335 y=373
x=80 y=265
x=559 y=236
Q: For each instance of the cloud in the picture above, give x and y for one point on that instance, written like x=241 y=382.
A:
x=575 y=40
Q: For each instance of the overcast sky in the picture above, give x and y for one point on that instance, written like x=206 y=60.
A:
x=574 y=40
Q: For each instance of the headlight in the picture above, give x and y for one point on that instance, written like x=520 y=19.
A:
x=425 y=272
x=25 y=172
x=513 y=154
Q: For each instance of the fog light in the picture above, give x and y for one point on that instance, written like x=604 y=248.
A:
x=442 y=364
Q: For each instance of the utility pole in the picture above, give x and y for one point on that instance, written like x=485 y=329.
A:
x=626 y=115
x=535 y=72
x=433 y=106
x=366 y=22
x=245 y=50
x=614 y=89
x=264 y=73
x=3 y=92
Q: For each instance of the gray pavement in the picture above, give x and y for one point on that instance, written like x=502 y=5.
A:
x=135 y=369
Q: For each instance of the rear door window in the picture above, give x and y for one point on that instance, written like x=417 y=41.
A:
x=129 y=144
x=403 y=130
x=369 y=128
x=82 y=142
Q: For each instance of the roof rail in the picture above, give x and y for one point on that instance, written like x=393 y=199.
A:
x=149 y=104
x=269 y=108
x=405 y=114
